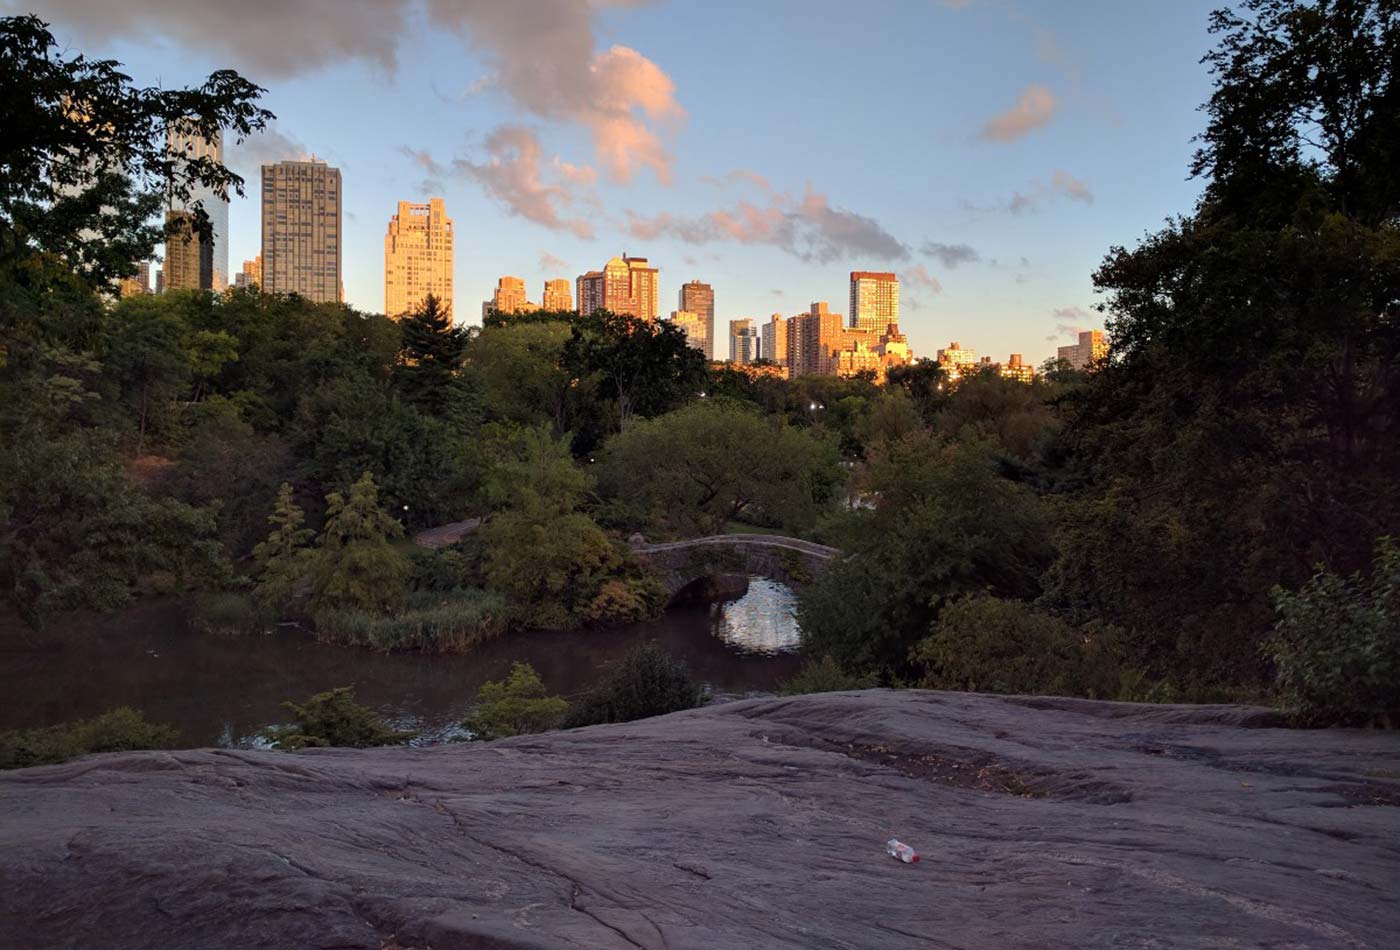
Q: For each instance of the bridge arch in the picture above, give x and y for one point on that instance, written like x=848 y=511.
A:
x=681 y=564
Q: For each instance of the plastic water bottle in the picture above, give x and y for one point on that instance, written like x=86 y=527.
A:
x=898 y=849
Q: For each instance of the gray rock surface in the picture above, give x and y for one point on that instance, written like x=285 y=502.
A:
x=760 y=823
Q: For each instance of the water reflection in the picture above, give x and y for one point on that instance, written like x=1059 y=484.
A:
x=222 y=691
x=763 y=621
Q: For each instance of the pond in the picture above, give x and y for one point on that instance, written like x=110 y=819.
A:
x=223 y=690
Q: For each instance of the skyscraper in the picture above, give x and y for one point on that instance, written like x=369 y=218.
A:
x=184 y=143
x=251 y=274
x=625 y=285
x=813 y=338
x=509 y=297
x=417 y=257
x=556 y=296
x=189 y=257
x=775 y=337
x=699 y=298
x=137 y=284
x=874 y=300
x=1092 y=347
x=741 y=341
x=696 y=330
x=301 y=236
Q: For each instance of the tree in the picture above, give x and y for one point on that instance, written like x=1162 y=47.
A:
x=85 y=167
x=1249 y=407
x=693 y=470
x=1336 y=644
x=515 y=706
x=945 y=524
x=646 y=682
x=987 y=645
x=428 y=374
x=284 y=558
x=550 y=566
x=645 y=366
x=333 y=718
x=356 y=565
x=518 y=369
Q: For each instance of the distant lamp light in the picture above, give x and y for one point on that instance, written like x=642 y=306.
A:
x=813 y=407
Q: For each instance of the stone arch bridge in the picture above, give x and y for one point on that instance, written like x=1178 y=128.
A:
x=706 y=561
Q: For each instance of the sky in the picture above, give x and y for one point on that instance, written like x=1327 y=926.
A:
x=989 y=152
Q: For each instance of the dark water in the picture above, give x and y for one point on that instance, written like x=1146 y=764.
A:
x=222 y=690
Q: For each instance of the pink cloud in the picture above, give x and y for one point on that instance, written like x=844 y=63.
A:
x=1033 y=108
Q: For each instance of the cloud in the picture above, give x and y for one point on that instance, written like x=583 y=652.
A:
x=1061 y=185
x=262 y=37
x=1069 y=322
x=918 y=276
x=808 y=227
x=551 y=264
x=264 y=148
x=738 y=176
x=541 y=54
x=1066 y=184
x=1033 y=109
x=513 y=174
x=950 y=255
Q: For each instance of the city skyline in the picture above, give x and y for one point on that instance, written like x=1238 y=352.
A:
x=992 y=183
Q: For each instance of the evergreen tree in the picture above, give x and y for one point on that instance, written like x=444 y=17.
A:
x=283 y=559
x=356 y=563
x=428 y=371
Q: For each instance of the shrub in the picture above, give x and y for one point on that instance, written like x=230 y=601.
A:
x=333 y=718
x=1336 y=644
x=227 y=613
x=626 y=600
x=985 y=644
x=121 y=730
x=825 y=676
x=432 y=623
x=515 y=706
x=647 y=682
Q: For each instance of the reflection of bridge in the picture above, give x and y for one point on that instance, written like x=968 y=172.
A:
x=680 y=564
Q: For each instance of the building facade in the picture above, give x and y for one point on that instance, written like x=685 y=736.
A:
x=189 y=256
x=696 y=329
x=957 y=360
x=301 y=230
x=137 y=284
x=417 y=257
x=251 y=274
x=185 y=144
x=627 y=285
x=509 y=297
x=1017 y=369
x=699 y=298
x=742 y=340
x=1092 y=347
x=775 y=336
x=874 y=300
x=556 y=296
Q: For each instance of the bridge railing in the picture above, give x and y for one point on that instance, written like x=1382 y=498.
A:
x=810 y=548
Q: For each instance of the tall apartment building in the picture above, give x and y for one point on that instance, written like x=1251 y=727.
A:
x=741 y=341
x=417 y=257
x=189 y=256
x=137 y=284
x=301 y=231
x=184 y=144
x=699 y=298
x=874 y=300
x=509 y=297
x=625 y=285
x=812 y=338
x=1092 y=347
x=775 y=337
x=696 y=329
x=556 y=296
x=1015 y=368
x=251 y=274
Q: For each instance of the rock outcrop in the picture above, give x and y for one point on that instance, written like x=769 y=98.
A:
x=1042 y=823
